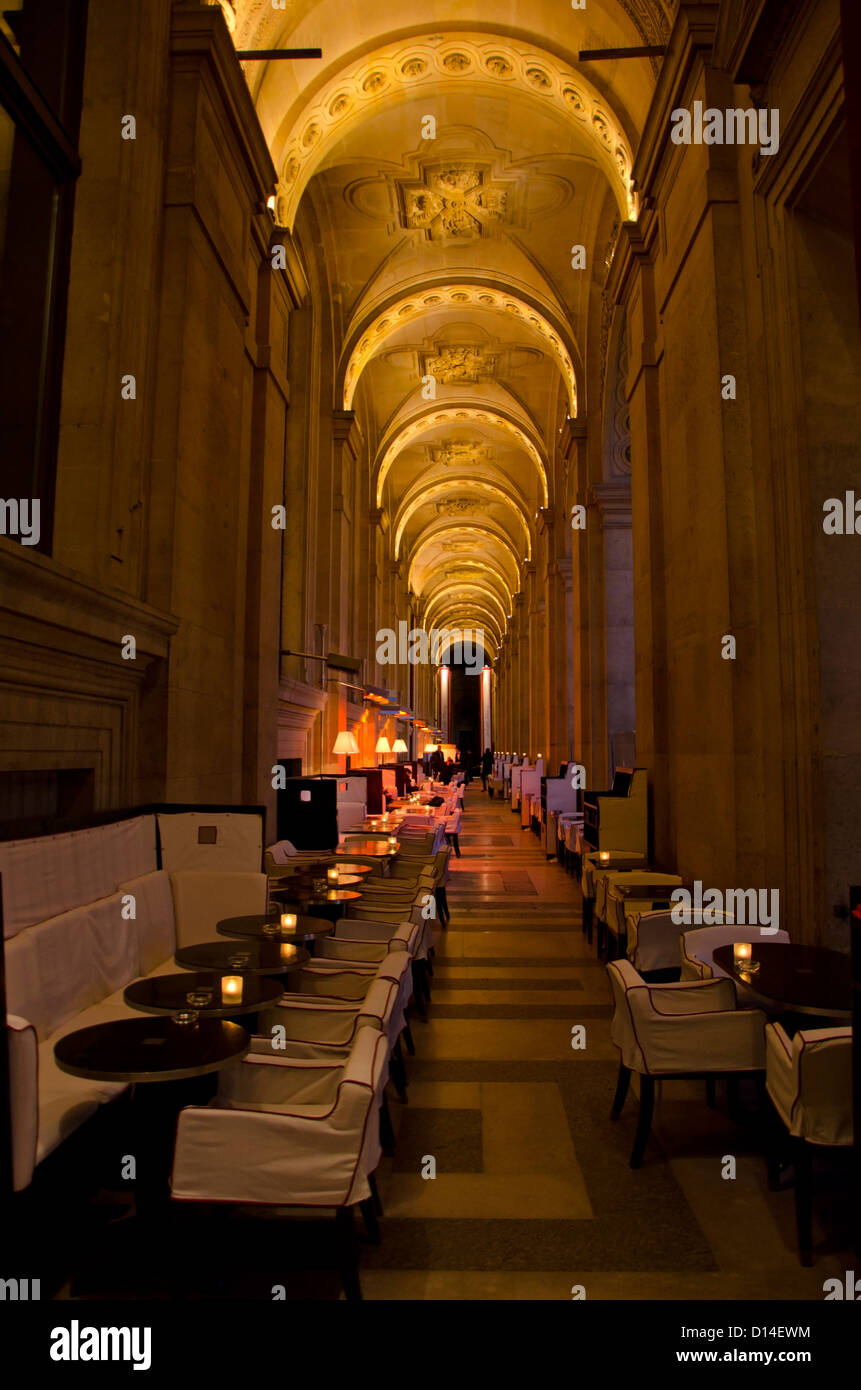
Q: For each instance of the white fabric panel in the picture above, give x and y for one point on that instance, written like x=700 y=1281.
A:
x=238 y=847
x=64 y=965
x=809 y=1079
x=282 y=852
x=23 y=993
x=352 y=789
x=202 y=899
x=350 y=814
x=114 y=942
x=51 y=874
x=156 y=931
x=23 y=1098
x=309 y=1155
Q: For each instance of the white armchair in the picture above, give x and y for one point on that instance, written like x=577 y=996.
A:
x=809 y=1083
x=294 y=1133
x=344 y=982
x=678 y=1032
x=653 y=941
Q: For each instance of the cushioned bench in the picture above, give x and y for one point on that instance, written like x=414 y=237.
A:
x=70 y=971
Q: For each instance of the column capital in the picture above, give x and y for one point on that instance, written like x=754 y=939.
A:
x=613 y=502
x=345 y=430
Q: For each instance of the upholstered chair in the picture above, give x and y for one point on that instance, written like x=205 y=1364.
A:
x=290 y=1133
x=681 y=1031
x=654 y=943
x=809 y=1084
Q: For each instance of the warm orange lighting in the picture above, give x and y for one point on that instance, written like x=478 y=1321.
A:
x=289 y=921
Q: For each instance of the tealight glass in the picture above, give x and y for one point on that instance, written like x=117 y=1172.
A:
x=199 y=998
x=185 y=1017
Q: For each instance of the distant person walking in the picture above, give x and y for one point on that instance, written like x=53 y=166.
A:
x=486 y=767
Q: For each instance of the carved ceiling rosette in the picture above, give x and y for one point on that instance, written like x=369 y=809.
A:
x=458 y=506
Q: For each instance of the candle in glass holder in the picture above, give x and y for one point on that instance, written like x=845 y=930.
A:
x=332 y=877
x=742 y=954
x=604 y=856
x=231 y=989
x=288 y=921
x=288 y=953
x=393 y=842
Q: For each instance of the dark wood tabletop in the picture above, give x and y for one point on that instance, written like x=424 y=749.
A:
x=261 y=926
x=150 y=1049
x=375 y=848
x=260 y=957
x=166 y=994
x=800 y=979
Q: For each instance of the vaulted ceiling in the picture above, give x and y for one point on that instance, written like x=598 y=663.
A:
x=454 y=161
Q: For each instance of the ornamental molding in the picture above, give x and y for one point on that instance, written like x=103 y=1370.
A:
x=456 y=295
x=457 y=415
x=453 y=202
x=398 y=69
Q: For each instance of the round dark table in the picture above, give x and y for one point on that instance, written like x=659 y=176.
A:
x=150 y=1049
x=165 y=994
x=327 y=905
x=306 y=929
x=799 y=979
x=368 y=848
x=264 y=957
x=359 y=870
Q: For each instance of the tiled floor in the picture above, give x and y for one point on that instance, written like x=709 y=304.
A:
x=533 y=1193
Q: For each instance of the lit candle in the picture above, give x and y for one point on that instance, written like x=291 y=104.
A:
x=332 y=876
x=288 y=952
x=604 y=856
x=742 y=954
x=231 y=989
x=393 y=842
x=288 y=921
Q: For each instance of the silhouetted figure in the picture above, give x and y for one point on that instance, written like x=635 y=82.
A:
x=486 y=767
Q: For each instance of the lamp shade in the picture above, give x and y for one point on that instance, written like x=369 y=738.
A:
x=382 y=745
x=399 y=746
x=346 y=743
x=430 y=747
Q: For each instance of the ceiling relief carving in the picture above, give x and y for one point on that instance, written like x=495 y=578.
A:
x=458 y=454
x=458 y=506
x=458 y=296
x=460 y=363
x=457 y=415
x=455 y=202
x=423 y=67
x=439 y=496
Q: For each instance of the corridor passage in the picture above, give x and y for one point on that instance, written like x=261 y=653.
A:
x=533 y=1194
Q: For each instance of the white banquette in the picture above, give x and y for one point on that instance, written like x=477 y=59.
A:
x=84 y=914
